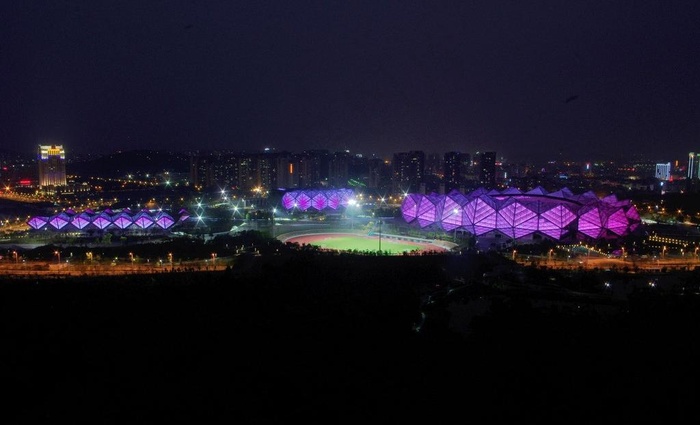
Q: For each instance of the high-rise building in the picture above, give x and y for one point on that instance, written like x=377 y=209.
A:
x=52 y=166
x=339 y=166
x=408 y=170
x=201 y=171
x=433 y=165
x=379 y=174
x=456 y=168
x=663 y=171
x=487 y=169
x=311 y=168
x=284 y=169
x=693 y=171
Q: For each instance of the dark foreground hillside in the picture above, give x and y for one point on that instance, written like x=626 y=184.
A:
x=330 y=339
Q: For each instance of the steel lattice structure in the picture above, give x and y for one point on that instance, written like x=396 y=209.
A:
x=519 y=214
x=70 y=220
x=318 y=200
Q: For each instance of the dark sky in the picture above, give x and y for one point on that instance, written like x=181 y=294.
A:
x=528 y=79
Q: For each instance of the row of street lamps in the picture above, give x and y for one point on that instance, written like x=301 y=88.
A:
x=89 y=256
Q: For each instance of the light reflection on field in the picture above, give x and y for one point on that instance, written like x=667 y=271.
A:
x=347 y=242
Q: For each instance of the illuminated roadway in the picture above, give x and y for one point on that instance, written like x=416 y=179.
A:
x=45 y=268
x=642 y=264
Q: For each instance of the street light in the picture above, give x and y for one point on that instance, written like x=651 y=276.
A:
x=14 y=254
x=351 y=203
x=514 y=252
x=588 y=255
x=170 y=259
x=454 y=238
x=213 y=259
x=131 y=257
x=58 y=256
x=274 y=211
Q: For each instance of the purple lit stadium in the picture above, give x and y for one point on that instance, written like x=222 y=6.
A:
x=69 y=220
x=318 y=200
x=556 y=215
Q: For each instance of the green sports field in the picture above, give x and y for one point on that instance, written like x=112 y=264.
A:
x=361 y=243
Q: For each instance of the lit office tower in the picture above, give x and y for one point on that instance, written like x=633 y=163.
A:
x=52 y=165
x=663 y=171
x=693 y=172
x=487 y=167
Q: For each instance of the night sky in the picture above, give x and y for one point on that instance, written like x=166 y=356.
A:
x=530 y=80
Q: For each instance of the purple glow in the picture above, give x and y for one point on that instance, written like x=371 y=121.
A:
x=143 y=220
x=451 y=217
x=482 y=214
x=288 y=200
x=122 y=221
x=102 y=221
x=590 y=223
x=81 y=220
x=333 y=200
x=554 y=221
x=303 y=201
x=38 y=222
x=633 y=217
x=617 y=222
x=345 y=196
x=516 y=220
x=59 y=221
x=409 y=208
x=517 y=215
x=427 y=210
x=164 y=220
x=317 y=199
x=184 y=215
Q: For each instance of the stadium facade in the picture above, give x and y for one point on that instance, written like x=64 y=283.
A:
x=305 y=200
x=556 y=215
x=70 y=220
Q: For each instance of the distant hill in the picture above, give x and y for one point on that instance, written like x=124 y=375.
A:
x=132 y=162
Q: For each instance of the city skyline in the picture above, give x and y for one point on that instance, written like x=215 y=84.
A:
x=570 y=81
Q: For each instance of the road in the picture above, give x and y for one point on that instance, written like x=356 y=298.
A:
x=648 y=264
x=43 y=268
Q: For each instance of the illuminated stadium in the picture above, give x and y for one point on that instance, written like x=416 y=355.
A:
x=556 y=215
x=318 y=200
x=69 y=220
